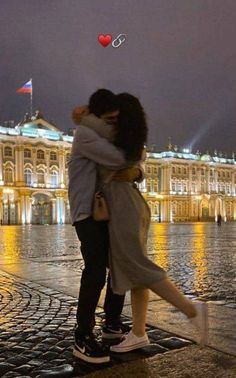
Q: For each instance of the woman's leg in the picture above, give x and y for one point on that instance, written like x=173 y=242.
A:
x=168 y=291
x=139 y=303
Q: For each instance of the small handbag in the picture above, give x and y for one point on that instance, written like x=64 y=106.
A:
x=100 y=208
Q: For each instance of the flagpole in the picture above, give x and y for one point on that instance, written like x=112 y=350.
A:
x=31 y=99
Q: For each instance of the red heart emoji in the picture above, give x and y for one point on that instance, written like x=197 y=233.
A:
x=105 y=40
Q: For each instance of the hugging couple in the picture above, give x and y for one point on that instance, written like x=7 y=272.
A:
x=107 y=150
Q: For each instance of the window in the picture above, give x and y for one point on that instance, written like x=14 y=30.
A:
x=194 y=171
x=185 y=171
x=28 y=176
x=173 y=187
x=40 y=175
x=156 y=208
x=202 y=172
x=8 y=175
x=27 y=153
x=211 y=172
x=8 y=151
x=173 y=169
x=179 y=170
x=155 y=170
x=149 y=186
x=149 y=169
x=155 y=186
x=179 y=187
x=54 y=178
x=53 y=155
x=40 y=154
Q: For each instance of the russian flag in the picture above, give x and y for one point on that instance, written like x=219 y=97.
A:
x=27 y=87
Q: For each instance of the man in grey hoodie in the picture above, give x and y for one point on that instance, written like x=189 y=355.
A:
x=93 y=235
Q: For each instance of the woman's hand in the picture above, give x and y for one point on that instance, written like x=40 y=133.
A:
x=79 y=112
x=128 y=174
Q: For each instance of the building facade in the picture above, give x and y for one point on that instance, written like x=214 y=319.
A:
x=33 y=173
x=182 y=186
x=179 y=186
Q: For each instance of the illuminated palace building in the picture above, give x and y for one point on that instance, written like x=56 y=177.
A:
x=33 y=173
x=179 y=185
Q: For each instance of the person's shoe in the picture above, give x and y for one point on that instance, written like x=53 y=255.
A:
x=88 y=349
x=130 y=342
x=200 y=321
x=114 y=331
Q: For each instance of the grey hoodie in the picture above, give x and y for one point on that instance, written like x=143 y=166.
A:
x=88 y=150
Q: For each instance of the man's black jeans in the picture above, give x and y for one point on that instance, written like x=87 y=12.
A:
x=94 y=238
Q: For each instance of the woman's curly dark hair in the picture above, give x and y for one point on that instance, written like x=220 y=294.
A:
x=131 y=134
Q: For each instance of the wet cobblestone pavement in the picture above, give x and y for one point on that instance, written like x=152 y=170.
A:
x=36 y=333
x=40 y=268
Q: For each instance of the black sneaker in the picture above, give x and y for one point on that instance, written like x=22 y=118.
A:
x=88 y=349
x=114 y=331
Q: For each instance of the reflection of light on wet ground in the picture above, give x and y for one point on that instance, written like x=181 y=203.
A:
x=160 y=235
x=9 y=251
x=199 y=257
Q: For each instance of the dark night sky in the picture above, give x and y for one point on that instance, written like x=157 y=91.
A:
x=179 y=58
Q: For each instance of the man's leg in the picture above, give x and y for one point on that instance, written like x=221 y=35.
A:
x=94 y=246
x=113 y=305
x=113 y=327
x=94 y=240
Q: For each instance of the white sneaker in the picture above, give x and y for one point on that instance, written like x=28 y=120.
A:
x=130 y=342
x=200 y=321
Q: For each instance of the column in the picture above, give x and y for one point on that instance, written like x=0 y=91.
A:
x=1 y=207
x=199 y=181
x=54 y=211
x=19 y=167
x=22 y=210
x=1 y=165
x=165 y=176
x=28 y=209
x=62 y=168
x=34 y=178
x=60 y=206
x=47 y=178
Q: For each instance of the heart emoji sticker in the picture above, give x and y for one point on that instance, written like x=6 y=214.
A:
x=104 y=40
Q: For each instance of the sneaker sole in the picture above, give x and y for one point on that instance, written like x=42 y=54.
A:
x=93 y=360
x=142 y=344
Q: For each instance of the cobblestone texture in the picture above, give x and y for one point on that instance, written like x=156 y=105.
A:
x=36 y=333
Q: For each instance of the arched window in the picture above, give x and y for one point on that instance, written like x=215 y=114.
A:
x=8 y=175
x=156 y=208
x=155 y=186
x=149 y=188
x=27 y=153
x=53 y=156
x=40 y=154
x=54 y=178
x=28 y=176
x=40 y=175
x=8 y=151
